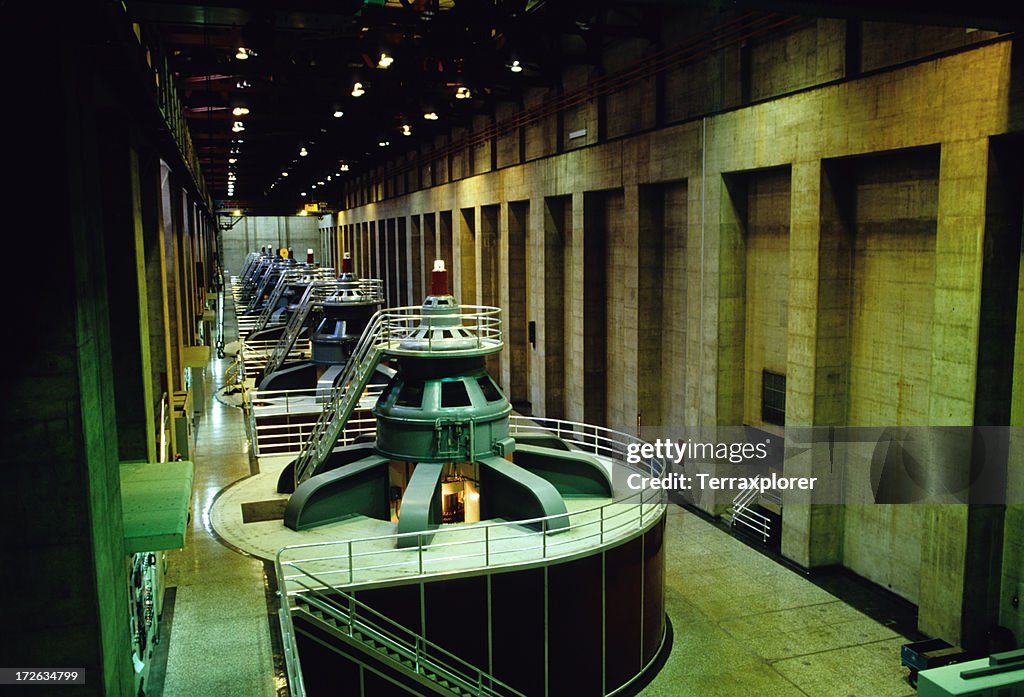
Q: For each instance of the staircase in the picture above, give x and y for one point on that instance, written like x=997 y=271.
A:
x=275 y=297
x=343 y=400
x=349 y=625
x=257 y=290
x=291 y=331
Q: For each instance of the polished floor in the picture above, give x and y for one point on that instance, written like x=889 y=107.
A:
x=744 y=625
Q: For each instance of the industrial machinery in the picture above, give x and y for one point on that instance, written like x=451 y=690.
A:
x=465 y=532
x=343 y=309
x=443 y=450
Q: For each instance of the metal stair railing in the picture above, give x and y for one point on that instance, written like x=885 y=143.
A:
x=256 y=289
x=275 y=297
x=291 y=331
x=344 y=397
x=391 y=641
x=743 y=514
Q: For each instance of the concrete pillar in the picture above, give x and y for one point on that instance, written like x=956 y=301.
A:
x=66 y=587
x=949 y=532
x=817 y=353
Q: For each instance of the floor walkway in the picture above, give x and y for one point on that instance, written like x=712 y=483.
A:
x=220 y=636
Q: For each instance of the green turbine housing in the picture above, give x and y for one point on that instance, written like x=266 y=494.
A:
x=442 y=410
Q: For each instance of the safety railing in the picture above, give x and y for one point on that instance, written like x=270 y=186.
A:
x=344 y=397
x=467 y=327
x=282 y=421
x=270 y=306
x=393 y=641
x=296 y=322
x=743 y=514
x=255 y=354
x=472 y=546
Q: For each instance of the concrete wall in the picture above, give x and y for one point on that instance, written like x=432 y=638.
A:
x=761 y=236
x=298 y=233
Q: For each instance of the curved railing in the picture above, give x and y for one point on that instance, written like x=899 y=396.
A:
x=474 y=546
x=480 y=325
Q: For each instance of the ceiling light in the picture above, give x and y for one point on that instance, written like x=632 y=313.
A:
x=343 y=168
x=319 y=183
x=313 y=186
x=463 y=93
x=240 y=111
x=384 y=143
x=328 y=177
x=515 y=66
x=406 y=129
x=303 y=152
x=231 y=176
x=302 y=194
x=430 y=116
x=357 y=90
x=243 y=84
x=284 y=174
x=338 y=113
x=232 y=160
x=237 y=127
x=244 y=53
x=385 y=61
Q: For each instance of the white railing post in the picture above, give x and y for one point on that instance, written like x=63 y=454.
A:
x=351 y=569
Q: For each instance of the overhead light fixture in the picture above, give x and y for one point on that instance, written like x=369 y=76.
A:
x=385 y=61
x=231 y=176
x=284 y=174
x=238 y=127
x=313 y=186
x=243 y=84
x=303 y=152
x=240 y=111
x=328 y=177
x=338 y=113
x=343 y=168
x=357 y=90
x=243 y=53
x=430 y=116
x=384 y=143
x=515 y=66
x=463 y=93
x=406 y=129
x=232 y=160
x=319 y=183
x=302 y=194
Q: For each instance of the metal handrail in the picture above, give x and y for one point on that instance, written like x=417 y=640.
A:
x=649 y=507
x=744 y=515
x=608 y=520
x=426 y=655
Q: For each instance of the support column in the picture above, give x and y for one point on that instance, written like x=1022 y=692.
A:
x=949 y=529
x=816 y=365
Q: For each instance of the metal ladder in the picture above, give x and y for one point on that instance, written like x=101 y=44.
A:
x=291 y=331
x=343 y=616
x=343 y=399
